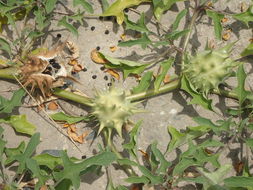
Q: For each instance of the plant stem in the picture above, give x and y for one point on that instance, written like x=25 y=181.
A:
x=8 y=73
x=163 y=89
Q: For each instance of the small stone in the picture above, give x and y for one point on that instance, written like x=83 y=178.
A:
x=94 y=76
x=92 y=28
x=107 y=32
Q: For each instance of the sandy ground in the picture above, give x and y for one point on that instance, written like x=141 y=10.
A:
x=162 y=111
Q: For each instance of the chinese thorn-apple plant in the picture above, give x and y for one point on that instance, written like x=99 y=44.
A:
x=200 y=162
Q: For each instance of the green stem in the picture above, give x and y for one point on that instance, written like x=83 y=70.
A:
x=149 y=93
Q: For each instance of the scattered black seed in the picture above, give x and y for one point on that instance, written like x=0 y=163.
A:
x=119 y=41
x=84 y=157
x=126 y=10
x=109 y=84
x=84 y=69
x=106 y=77
x=51 y=61
x=94 y=76
x=56 y=65
x=58 y=35
x=47 y=73
x=97 y=48
x=102 y=68
x=73 y=72
x=49 y=68
x=107 y=32
x=92 y=28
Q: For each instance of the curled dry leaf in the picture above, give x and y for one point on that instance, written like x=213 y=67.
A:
x=97 y=58
x=52 y=106
x=74 y=50
x=113 y=48
x=73 y=62
x=166 y=79
x=113 y=73
x=43 y=187
x=123 y=37
x=239 y=166
x=227 y=35
x=74 y=136
x=225 y=19
x=77 y=68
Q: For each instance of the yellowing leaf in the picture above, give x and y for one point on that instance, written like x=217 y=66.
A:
x=114 y=73
x=117 y=8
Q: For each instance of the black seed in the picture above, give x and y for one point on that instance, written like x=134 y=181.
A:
x=56 y=65
x=109 y=84
x=107 y=32
x=100 y=18
x=73 y=72
x=119 y=41
x=97 y=48
x=106 y=77
x=102 y=68
x=47 y=73
x=126 y=10
x=84 y=157
x=94 y=76
x=84 y=70
x=49 y=68
x=92 y=28
x=58 y=35
x=51 y=61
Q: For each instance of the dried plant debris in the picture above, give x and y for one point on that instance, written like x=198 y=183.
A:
x=49 y=68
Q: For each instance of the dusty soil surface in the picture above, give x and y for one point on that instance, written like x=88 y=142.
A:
x=162 y=111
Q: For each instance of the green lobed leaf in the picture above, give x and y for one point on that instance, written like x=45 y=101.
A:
x=6 y=106
x=12 y=152
x=164 y=164
x=117 y=8
x=30 y=149
x=20 y=124
x=160 y=6
x=87 y=6
x=40 y=19
x=72 y=170
x=178 y=19
x=196 y=97
x=105 y=5
x=139 y=26
x=245 y=17
x=248 y=50
x=36 y=172
x=144 y=83
x=174 y=35
x=239 y=181
x=131 y=146
x=249 y=142
x=63 y=22
x=216 y=17
x=240 y=90
x=60 y=116
x=177 y=138
x=50 y=5
x=144 y=41
x=165 y=66
x=48 y=160
x=216 y=177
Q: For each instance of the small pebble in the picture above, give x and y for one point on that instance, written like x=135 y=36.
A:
x=58 y=35
x=94 y=76
x=109 y=84
x=102 y=68
x=92 y=28
x=107 y=32
x=97 y=48
x=106 y=77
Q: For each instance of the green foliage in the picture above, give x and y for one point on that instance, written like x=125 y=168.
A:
x=216 y=17
x=144 y=83
x=6 y=106
x=245 y=17
x=60 y=116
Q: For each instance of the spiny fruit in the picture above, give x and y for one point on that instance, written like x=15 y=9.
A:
x=112 y=109
x=206 y=70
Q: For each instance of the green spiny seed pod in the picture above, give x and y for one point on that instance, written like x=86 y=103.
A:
x=206 y=70
x=112 y=109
